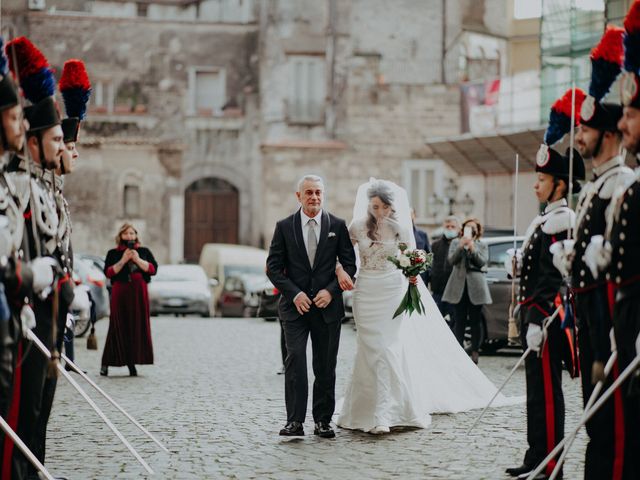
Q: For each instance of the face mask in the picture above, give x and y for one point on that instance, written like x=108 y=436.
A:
x=450 y=234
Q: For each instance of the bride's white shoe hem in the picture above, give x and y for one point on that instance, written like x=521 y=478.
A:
x=379 y=429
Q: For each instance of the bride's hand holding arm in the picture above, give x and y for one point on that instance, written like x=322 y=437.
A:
x=344 y=279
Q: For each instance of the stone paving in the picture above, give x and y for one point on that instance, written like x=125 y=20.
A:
x=214 y=399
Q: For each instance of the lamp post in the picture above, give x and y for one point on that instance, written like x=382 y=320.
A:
x=438 y=206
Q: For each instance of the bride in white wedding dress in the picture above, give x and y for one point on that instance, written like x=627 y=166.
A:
x=407 y=367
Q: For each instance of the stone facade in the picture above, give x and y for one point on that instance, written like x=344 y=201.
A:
x=344 y=88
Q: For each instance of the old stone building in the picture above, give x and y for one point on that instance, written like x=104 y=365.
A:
x=205 y=112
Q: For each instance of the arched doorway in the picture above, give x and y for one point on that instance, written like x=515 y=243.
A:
x=210 y=215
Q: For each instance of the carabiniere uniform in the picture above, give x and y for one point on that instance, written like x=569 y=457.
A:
x=623 y=276
x=539 y=296
x=591 y=295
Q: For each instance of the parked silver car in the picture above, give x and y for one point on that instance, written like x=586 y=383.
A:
x=87 y=273
x=181 y=289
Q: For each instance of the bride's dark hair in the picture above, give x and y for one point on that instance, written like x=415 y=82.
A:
x=385 y=195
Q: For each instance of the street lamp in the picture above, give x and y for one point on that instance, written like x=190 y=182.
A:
x=437 y=206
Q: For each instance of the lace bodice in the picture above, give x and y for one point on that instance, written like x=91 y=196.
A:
x=373 y=254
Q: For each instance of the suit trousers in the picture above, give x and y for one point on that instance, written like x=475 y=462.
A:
x=545 y=400
x=325 y=338
x=468 y=314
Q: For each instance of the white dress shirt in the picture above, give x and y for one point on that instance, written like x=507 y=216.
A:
x=304 y=219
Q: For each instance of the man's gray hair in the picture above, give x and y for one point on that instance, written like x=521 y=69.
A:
x=451 y=218
x=309 y=178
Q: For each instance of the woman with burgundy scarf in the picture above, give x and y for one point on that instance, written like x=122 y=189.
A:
x=129 y=266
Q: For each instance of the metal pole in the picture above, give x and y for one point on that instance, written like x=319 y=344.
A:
x=79 y=371
x=24 y=449
x=32 y=336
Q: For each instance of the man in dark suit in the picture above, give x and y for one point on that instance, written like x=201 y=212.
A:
x=301 y=265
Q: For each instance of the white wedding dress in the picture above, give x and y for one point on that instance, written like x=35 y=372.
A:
x=408 y=367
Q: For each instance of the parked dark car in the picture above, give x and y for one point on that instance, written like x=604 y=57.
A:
x=240 y=296
x=268 y=306
x=495 y=317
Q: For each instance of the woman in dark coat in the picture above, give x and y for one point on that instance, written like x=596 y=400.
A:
x=129 y=266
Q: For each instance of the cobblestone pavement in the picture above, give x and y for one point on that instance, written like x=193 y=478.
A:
x=214 y=399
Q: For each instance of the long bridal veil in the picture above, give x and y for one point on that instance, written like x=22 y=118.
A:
x=439 y=373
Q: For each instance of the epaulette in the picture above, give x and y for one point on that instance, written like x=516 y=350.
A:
x=559 y=220
x=622 y=175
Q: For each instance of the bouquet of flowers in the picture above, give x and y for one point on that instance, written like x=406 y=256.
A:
x=412 y=263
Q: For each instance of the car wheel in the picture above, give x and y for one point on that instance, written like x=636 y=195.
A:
x=81 y=327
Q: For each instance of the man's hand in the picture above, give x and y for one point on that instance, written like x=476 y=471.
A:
x=322 y=299
x=534 y=337
x=302 y=303
x=344 y=279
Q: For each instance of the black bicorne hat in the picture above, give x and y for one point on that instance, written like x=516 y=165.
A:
x=9 y=95
x=70 y=129
x=600 y=115
x=551 y=162
x=42 y=115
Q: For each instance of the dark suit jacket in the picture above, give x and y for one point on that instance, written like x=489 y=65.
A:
x=289 y=270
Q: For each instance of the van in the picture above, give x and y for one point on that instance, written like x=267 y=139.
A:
x=221 y=260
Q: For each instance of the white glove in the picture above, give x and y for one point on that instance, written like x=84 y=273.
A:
x=508 y=261
x=534 y=337
x=28 y=319
x=561 y=252
x=42 y=268
x=81 y=301
x=612 y=341
x=597 y=256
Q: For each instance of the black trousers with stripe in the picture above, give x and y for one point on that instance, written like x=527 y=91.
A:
x=626 y=324
x=545 y=401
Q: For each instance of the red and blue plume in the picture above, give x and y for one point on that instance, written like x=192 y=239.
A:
x=632 y=38
x=606 y=62
x=35 y=74
x=560 y=116
x=75 y=88
x=4 y=63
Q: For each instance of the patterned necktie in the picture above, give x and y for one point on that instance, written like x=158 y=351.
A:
x=312 y=241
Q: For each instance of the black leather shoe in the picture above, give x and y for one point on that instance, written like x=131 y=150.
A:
x=292 y=429
x=517 y=471
x=132 y=371
x=104 y=370
x=324 y=430
x=540 y=476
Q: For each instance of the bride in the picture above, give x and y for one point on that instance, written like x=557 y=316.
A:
x=405 y=367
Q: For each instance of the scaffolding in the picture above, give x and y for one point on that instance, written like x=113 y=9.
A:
x=568 y=31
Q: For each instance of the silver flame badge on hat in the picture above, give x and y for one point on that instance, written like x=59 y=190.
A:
x=543 y=156
x=628 y=88
x=588 y=109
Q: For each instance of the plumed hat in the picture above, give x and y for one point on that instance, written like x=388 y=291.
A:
x=606 y=64
x=37 y=82
x=630 y=86
x=76 y=90
x=9 y=94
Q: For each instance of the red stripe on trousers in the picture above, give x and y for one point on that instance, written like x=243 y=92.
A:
x=618 y=421
x=12 y=417
x=549 y=407
x=611 y=296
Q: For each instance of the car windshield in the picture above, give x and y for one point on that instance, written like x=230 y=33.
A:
x=498 y=253
x=180 y=273
x=244 y=270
